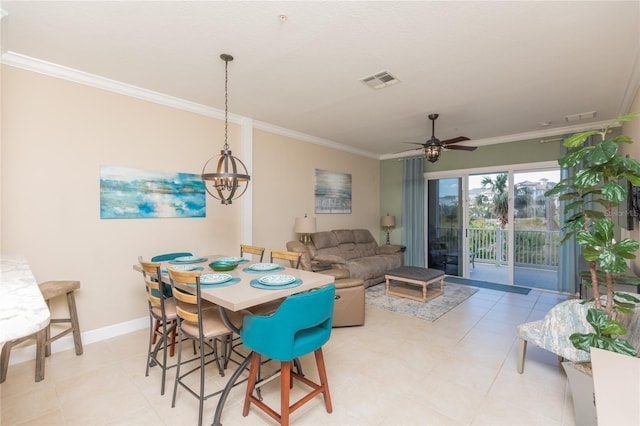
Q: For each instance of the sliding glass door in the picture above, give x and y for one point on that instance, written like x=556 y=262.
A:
x=495 y=225
x=444 y=225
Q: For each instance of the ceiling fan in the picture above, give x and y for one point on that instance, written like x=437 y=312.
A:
x=433 y=147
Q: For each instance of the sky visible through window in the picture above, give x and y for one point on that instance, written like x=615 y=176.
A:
x=450 y=186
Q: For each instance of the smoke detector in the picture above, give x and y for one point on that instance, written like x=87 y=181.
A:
x=380 y=80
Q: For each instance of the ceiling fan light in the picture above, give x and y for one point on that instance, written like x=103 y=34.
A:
x=432 y=152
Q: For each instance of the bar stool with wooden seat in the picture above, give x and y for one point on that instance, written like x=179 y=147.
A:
x=255 y=250
x=301 y=325
x=49 y=290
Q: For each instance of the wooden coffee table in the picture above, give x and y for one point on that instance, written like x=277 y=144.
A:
x=417 y=276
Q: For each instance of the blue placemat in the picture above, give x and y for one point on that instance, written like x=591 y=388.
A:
x=197 y=268
x=270 y=271
x=232 y=281
x=257 y=284
x=223 y=258
x=193 y=260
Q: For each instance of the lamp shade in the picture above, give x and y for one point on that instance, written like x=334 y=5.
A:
x=388 y=221
x=305 y=225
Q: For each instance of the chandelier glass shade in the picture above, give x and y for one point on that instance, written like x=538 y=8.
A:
x=432 y=151
x=225 y=177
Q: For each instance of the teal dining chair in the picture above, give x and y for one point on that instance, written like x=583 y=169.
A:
x=301 y=325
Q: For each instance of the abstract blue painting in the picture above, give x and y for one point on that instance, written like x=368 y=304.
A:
x=333 y=192
x=127 y=193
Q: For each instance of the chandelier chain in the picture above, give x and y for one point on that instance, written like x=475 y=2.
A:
x=226 y=103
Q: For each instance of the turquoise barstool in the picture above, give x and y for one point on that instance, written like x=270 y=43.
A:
x=301 y=325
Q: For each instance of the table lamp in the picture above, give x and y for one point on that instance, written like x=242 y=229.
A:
x=305 y=226
x=388 y=223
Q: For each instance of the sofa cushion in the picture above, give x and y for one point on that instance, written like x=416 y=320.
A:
x=363 y=236
x=324 y=239
x=345 y=236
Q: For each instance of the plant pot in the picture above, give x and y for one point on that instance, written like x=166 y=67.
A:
x=581 y=384
x=616 y=380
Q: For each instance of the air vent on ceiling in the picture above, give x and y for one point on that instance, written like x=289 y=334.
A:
x=581 y=116
x=380 y=80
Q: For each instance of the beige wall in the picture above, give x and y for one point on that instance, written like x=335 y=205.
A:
x=632 y=129
x=284 y=180
x=55 y=136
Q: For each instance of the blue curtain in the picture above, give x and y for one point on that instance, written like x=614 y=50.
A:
x=413 y=211
x=570 y=263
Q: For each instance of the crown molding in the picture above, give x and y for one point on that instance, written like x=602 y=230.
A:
x=65 y=73
x=538 y=134
x=311 y=139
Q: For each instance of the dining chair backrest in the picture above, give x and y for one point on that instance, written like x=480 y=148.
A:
x=292 y=256
x=258 y=251
x=301 y=325
x=188 y=305
x=169 y=256
x=151 y=273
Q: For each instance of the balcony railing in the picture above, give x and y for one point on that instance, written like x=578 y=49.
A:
x=533 y=248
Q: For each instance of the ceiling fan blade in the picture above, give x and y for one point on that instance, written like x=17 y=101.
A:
x=407 y=150
x=456 y=140
x=461 y=147
x=416 y=143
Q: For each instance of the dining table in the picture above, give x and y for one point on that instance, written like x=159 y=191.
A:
x=242 y=291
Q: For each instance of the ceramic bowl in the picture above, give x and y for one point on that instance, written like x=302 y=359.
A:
x=223 y=265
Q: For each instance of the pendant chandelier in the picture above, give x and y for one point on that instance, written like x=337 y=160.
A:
x=432 y=151
x=230 y=178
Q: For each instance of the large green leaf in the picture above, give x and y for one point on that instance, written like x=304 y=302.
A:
x=586 y=238
x=558 y=189
x=609 y=261
x=623 y=139
x=578 y=139
x=574 y=157
x=614 y=191
x=624 y=118
x=587 y=178
x=603 y=152
x=603 y=228
x=591 y=254
x=627 y=245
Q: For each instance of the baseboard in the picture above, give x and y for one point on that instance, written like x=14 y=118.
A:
x=27 y=353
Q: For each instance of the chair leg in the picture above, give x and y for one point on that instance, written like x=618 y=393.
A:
x=156 y=331
x=41 y=344
x=150 y=348
x=251 y=382
x=522 y=350
x=4 y=360
x=75 y=324
x=322 y=373
x=285 y=390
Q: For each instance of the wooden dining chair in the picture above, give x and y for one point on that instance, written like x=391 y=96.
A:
x=202 y=323
x=162 y=312
x=292 y=256
x=167 y=288
x=255 y=250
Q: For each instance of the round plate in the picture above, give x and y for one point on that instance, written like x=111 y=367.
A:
x=214 y=278
x=264 y=266
x=277 y=279
x=183 y=267
x=230 y=259
x=187 y=258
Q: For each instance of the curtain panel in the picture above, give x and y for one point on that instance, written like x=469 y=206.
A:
x=413 y=212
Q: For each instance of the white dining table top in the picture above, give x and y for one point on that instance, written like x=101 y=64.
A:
x=242 y=295
x=23 y=310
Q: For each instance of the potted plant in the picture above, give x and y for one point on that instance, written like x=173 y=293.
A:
x=593 y=194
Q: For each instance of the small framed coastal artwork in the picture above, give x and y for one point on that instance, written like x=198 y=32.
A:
x=332 y=192
x=129 y=193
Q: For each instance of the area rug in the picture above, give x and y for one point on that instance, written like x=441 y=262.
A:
x=454 y=294
x=490 y=285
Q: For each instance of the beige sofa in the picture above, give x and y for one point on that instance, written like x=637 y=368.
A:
x=352 y=249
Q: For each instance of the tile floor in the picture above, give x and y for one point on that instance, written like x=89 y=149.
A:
x=395 y=370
